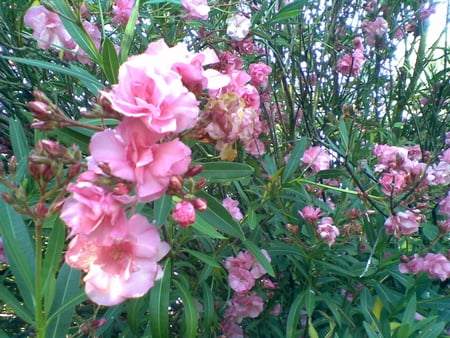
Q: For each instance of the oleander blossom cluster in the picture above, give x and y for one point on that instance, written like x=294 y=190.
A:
x=243 y=272
x=50 y=33
x=350 y=64
x=134 y=163
x=434 y=265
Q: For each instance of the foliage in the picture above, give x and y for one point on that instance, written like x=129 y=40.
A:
x=313 y=286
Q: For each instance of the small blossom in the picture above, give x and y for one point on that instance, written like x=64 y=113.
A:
x=196 y=9
x=259 y=73
x=326 y=230
x=403 y=223
x=310 y=214
x=238 y=26
x=350 y=64
x=374 y=30
x=316 y=158
x=233 y=208
x=122 y=11
x=184 y=213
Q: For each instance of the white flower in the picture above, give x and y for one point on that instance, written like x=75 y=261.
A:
x=238 y=27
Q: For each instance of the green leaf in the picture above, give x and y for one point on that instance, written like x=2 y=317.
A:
x=204 y=258
x=209 y=313
x=259 y=256
x=19 y=250
x=225 y=171
x=159 y=304
x=344 y=135
x=410 y=311
x=8 y=298
x=310 y=300
x=161 y=210
x=134 y=313
x=370 y=331
x=74 y=27
x=110 y=61
x=206 y=228
x=18 y=139
x=190 y=311
x=294 y=315
x=128 y=35
x=154 y=2
x=88 y=80
x=294 y=159
x=219 y=217
x=67 y=296
x=433 y=330
x=286 y=12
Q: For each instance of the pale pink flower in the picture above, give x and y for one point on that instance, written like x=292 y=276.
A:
x=238 y=26
x=350 y=64
x=196 y=9
x=438 y=174
x=414 y=265
x=374 y=30
x=233 y=208
x=48 y=28
x=126 y=268
x=326 y=230
x=437 y=266
x=310 y=214
x=3 y=257
x=444 y=226
x=231 y=330
x=403 y=223
x=259 y=73
x=390 y=157
x=393 y=183
x=154 y=94
x=80 y=54
x=276 y=310
x=184 y=213
x=445 y=157
x=444 y=206
x=243 y=306
x=122 y=11
x=94 y=211
x=241 y=280
x=316 y=158
x=130 y=152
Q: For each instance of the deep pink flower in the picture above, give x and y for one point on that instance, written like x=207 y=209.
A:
x=309 y=214
x=184 y=213
x=94 y=211
x=126 y=268
x=403 y=223
x=393 y=183
x=326 y=230
x=350 y=64
x=233 y=208
x=131 y=153
x=48 y=28
x=259 y=73
x=316 y=158
x=122 y=11
x=196 y=9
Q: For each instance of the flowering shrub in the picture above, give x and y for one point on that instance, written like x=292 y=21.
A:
x=224 y=169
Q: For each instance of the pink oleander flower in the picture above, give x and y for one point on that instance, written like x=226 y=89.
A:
x=3 y=257
x=444 y=206
x=259 y=73
x=243 y=306
x=231 y=330
x=309 y=214
x=403 y=223
x=390 y=157
x=316 y=158
x=445 y=157
x=48 y=28
x=196 y=9
x=238 y=26
x=130 y=152
x=414 y=265
x=126 y=268
x=438 y=174
x=122 y=11
x=184 y=213
x=153 y=94
x=350 y=64
x=444 y=226
x=393 y=183
x=94 y=212
x=326 y=230
x=374 y=30
x=437 y=266
x=233 y=208
x=80 y=54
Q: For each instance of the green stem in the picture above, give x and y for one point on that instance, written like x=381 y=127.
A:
x=39 y=313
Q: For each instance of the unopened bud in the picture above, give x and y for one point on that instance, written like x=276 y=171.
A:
x=40 y=96
x=200 y=204
x=45 y=125
x=41 y=210
x=52 y=148
x=8 y=198
x=104 y=167
x=40 y=110
x=98 y=323
x=176 y=183
x=12 y=165
x=74 y=170
x=194 y=170
x=200 y=183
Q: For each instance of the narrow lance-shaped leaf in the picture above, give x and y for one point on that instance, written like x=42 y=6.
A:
x=189 y=309
x=159 y=304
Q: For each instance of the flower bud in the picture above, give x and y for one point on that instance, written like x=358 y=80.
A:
x=176 y=183
x=200 y=204
x=41 y=210
x=194 y=170
x=8 y=198
x=184 y=213
x=40 y=110
x=74 y=170
x=12 y=165
x=200 y=184
x=52 y=148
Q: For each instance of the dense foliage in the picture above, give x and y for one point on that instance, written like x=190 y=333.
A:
x=224 y=168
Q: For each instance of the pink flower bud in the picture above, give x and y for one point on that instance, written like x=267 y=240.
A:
x=41 y=210
x=194 y=170
x=176 y=183
x=200 y=204
x=184 y=213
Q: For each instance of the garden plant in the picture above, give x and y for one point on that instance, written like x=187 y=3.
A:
x=234 y=168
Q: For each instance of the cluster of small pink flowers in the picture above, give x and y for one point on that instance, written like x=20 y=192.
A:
x=435 y=265
x=243 y=271
x=316 y=158
x=233 y=208
x=196 y=9
x=402 y=223
x=401 y=168
x=350 y=64
x=50 y=33
x=374 y=31
x=121 y=11
x=137 y=162
x=233 y=111
x=327 y=230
